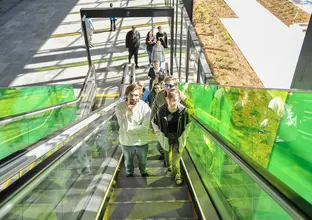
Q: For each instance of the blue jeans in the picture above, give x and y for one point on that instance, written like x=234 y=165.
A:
x=141 y=153
x=149 y=56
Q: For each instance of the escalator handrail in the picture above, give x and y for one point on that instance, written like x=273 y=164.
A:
x=16 y=117
x=60 y=138
x=288 y=199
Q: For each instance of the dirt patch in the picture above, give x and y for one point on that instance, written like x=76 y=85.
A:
x=227 y=62
x=286 y=11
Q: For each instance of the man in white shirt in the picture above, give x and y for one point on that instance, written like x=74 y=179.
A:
x=133 y=117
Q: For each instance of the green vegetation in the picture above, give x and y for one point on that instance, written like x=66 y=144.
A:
x=227 y=62
x=286 y=11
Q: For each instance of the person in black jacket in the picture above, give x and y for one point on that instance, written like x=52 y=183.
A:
x=133 y=44
x=162 y=37
x=171 y=125
x=153 y=71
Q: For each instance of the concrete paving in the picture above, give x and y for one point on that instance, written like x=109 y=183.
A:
x=271 y=48
x=41 y=44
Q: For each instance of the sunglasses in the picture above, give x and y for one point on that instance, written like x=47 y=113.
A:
x=170 y=86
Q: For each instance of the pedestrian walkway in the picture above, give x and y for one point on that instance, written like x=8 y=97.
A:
x=41 y=43
x=271 y=48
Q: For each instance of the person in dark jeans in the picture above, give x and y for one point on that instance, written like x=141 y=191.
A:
x=112 y=20
x=150 y=42
x=170 y=124
x=133 y=44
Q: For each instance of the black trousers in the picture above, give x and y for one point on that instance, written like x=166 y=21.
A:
x=113 y=25
x=134 y=51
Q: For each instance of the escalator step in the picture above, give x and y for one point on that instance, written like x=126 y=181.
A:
x=139 y=182
x=151 y=209
x=154 y=171
x=150 y=194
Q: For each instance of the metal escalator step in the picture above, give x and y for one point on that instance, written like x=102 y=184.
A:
x=150 y=194
x=139 y=182
x=154 y=171
x=150 y=210
x=155 y=163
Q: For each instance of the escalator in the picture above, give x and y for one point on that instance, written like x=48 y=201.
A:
x=83 y=176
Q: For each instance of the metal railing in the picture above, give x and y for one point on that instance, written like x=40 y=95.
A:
x=20 y=166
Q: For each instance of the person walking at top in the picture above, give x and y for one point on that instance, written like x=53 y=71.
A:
x=152 y=72
x=89 y=30
x=170 y=124
x=133 y=44
x=150 y=42
x=158 y=53
x=112 y=20
x=162 y=36
x=133 y=118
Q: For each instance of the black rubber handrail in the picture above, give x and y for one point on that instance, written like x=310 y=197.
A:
x=288 y=199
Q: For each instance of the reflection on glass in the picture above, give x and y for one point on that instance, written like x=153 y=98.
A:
x=272 y=127
x=243 y=198
x=17 y=135
x=19 y=100
x=59 y=194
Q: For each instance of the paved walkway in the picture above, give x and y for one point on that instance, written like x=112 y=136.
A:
x=41 y=43
x=271 y=48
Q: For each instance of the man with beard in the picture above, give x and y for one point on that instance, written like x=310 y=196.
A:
x=133 y=118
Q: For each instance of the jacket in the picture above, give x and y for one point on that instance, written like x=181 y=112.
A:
x=160 y=99
x=150 y=45
x=133 y=126
x=163 y=39
x=160 y=126
x=133 y=40
x=152 y=72
x=158 y=53
x=151 y=98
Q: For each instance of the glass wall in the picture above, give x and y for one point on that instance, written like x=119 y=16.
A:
x=269 y=127
x=241 y=197
x=19 y=100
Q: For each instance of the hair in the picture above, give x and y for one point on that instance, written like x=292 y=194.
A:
x=156 y=61
x=111 y=4
x=161 y=77
x=170 y=78
x=131 y=88
x=159 y=27
x=173 y=94
x=156 y=84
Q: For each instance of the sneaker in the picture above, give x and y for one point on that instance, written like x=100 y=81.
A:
x=137 y=66
x=178 y=180
x=168 y=172
x=145 y=175
x=129 y=175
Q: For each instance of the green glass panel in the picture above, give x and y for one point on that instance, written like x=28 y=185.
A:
x=240 y=195
x=64 y=188
x=272 y=127
x=16 y=136
x=19 y=100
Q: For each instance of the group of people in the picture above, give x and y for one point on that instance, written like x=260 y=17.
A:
x=155 y=45
x=168 y=118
